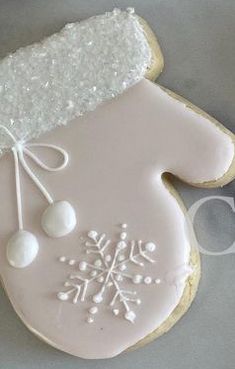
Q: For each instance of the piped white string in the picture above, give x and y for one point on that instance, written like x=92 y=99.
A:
x=20 y=149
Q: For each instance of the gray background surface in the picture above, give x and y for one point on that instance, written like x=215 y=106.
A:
x=198 y=42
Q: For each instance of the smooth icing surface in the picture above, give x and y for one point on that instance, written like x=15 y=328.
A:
x=114 y=181
x=46 y=85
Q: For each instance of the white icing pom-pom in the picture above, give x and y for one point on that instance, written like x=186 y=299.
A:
x=22 y=249
x=59 y=219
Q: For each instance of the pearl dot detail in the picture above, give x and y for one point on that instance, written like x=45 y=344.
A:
x=93 y=310
x=62 y=259
x=147 y=280
x=157 y=281
x=137 y=278
x=150 y=246
x=71 y=262
x=90 y=319
x=82 y=265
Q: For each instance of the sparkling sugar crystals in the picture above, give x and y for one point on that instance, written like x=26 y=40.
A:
x=48 y=84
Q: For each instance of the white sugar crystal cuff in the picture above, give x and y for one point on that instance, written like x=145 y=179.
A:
x=48 y=84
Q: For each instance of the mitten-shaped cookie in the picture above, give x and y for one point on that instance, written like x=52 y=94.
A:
x=83 y=130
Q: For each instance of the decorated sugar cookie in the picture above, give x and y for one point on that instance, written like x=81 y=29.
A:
x=94 y=253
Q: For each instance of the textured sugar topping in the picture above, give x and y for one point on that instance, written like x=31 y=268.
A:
x=48 y=84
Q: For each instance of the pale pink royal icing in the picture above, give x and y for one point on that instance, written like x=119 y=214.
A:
x=118 y=154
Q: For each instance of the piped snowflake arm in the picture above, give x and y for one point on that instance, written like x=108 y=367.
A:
x=109 y=273
x=99 y=243
x=133 y=257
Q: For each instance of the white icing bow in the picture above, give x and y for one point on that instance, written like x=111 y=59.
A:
x=58 y=219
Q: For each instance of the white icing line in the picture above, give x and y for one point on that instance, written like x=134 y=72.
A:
x=61 y=210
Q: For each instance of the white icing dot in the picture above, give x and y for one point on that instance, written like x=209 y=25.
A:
x=123 y=235
x=71 y=262
x=93 y=273
x=118 y=277
x=124 y=225
x=108 y=258
x=122 y=267
x=62 y=296
x=150 y=246
x=97 y=298
x=138 y=301
x=100 y=279
x=130 y=10
x=121 y=245
x=92 y=234
x=158 y=281
x=130 y=315
x=147 y=280
x=115 y=312
x=137 y=278
x=121 y=257
x=98 y=263
x=93 y=310
x=90 y=319
x=110 y=284
x=82 y=265
x=62 y=259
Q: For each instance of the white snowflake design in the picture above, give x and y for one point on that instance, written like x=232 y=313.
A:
x=108 y=271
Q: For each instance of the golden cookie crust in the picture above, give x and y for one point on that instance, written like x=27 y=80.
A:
x=192 y=282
